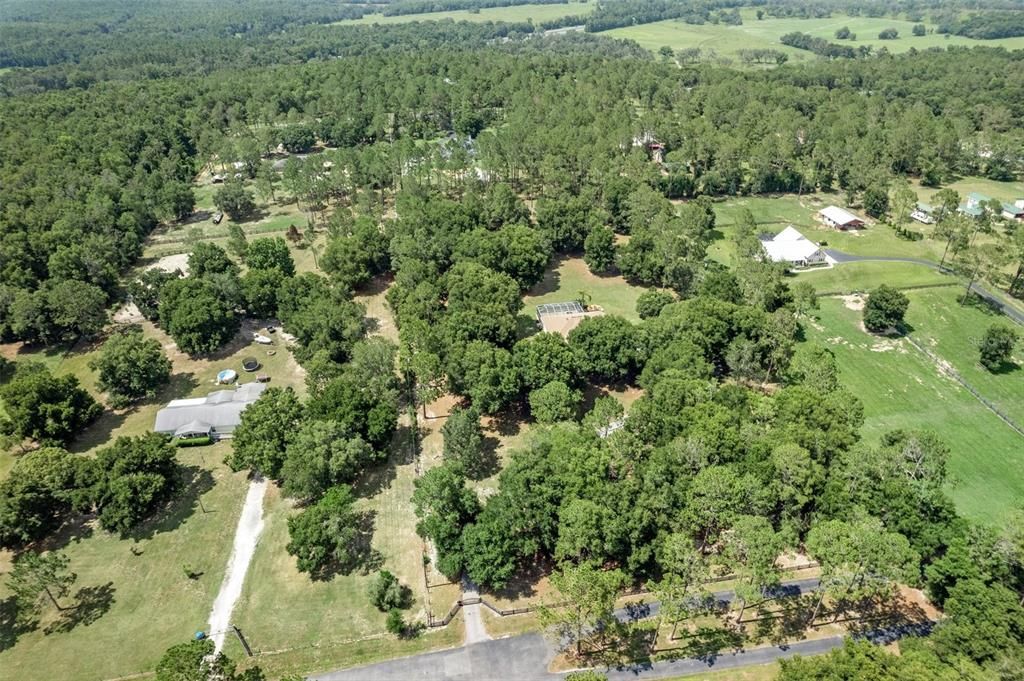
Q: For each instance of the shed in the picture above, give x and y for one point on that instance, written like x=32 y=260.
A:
x=1014 y=211
x=923 y=213
x=836 y=217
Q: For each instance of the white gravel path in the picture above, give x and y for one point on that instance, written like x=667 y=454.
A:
x=473 y=615
x=247 y=535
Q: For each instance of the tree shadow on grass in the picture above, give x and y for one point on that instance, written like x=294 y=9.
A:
x=195 y=482
x=378 y=478
x=524 y=583
x=628 y=648
x=552 y=280
x=91 y=603
x=1004 y=368
x=10 y=627
x=76 y=528
x=989 y=307
x=98 y=432
x=508 y=422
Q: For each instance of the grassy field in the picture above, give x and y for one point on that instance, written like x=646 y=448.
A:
x=190 y=377
x=864 y=276
x=514 y=14
x=726 y=41
x=281 y=609
x=134 y=606
x=903 y=388
x=567 y=277
x=951 y=331
x=1004 y=191
x=773 y=214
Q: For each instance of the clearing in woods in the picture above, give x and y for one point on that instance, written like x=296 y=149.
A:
x=726 y=41
x=512 y=14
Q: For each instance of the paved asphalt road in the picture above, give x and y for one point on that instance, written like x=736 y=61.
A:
x=1011 y=312
x=526 y=657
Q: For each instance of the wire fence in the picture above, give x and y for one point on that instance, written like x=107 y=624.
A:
x=955 y=375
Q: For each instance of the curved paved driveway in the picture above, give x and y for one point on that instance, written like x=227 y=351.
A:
x=976 y=288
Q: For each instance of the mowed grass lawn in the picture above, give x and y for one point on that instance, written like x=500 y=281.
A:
x=903 y=388
x=567 y=277
x=864 y=276
x=135 y=606
x=951 y=330
x=514 y=14
x=728 y=40
x=773 y=214
x=311 y=625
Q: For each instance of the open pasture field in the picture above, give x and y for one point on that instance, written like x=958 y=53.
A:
x=902 y=387
x=134 y=599
x=513 y=14
x=1004 y=191
x=726 y=41
x=773 y=214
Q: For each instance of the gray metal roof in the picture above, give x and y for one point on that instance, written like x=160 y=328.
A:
x=194 y=427
x=221 y=410
x=560 y=308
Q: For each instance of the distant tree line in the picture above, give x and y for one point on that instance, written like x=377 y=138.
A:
x=822 y=47
x=401 y=7
x=985 y=25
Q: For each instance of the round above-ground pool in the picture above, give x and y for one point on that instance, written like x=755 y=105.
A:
x=227 y=376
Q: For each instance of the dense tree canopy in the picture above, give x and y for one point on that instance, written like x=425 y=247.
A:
x=131 y=366
x=44 y=407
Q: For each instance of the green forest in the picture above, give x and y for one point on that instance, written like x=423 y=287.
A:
x=382 y=199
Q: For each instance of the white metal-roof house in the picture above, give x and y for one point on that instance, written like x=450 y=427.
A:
x=834 y=216
x=793 y=248
x=217 y=414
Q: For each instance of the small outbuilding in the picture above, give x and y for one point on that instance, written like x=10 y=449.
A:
x=836 y=217
x=563 y=317
x=792 y=248
x=1014 y=211
x=923 y=213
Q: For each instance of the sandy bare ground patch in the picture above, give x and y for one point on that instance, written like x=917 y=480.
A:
x=171 y=263
x=128 y=314
x=853 y=302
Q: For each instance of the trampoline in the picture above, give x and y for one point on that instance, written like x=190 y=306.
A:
x=250 y=364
